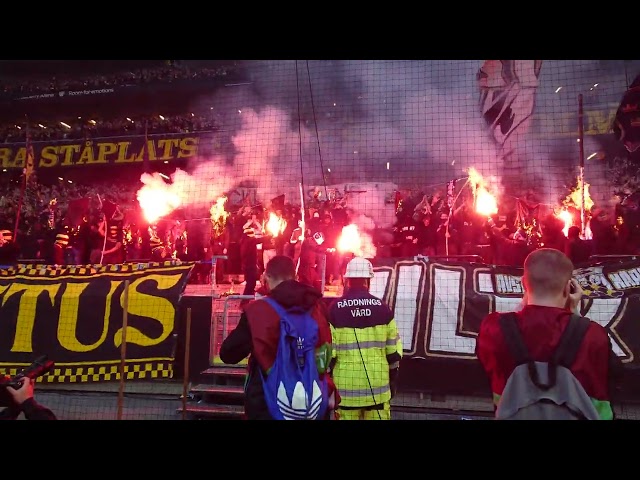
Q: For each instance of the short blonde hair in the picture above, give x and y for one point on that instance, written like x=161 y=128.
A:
x=546 y=272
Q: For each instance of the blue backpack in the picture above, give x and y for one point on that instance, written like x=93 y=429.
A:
x=293 y=389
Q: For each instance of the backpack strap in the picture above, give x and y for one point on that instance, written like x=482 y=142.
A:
x=281 y=311
x=513 y=338
x=518 y=349
x=570 y=341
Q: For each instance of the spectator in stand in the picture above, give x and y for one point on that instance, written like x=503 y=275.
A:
x=82 y=128
x=576 y=249
x=172 y=70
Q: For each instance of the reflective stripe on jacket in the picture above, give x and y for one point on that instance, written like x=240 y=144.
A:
x=62 y=239
x=366 y=344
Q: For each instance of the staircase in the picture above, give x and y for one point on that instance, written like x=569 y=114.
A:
x=219 y=397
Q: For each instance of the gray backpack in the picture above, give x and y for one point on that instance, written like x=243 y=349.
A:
x=545 y=390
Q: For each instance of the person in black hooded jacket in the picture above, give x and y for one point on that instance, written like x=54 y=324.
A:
x=258 y=331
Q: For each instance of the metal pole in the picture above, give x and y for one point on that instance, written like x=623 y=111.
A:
x=185 y=380
x=583 y=219
x=224 y=319
x=324 y=272
x=123 y=348
x=303 y=225
x=214 y=334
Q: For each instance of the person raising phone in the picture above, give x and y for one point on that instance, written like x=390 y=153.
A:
x=551 y=297
x=22 y=401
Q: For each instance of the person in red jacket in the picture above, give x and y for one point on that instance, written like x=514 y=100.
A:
x=22 y=401
x=551 y=295
x=258 y=331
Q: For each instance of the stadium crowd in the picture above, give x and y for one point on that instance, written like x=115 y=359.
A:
x=423 y=223
x=96 y=127
x=17 y=86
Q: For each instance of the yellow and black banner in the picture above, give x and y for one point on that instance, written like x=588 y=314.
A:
x=111 y=151
x=75 y=316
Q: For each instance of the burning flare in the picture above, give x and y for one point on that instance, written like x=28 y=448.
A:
x=567 y=218
x=574 y=201
x=275 y=225
x=156 y=198
x=484 y=201
x=218 y=216
x=352 y=241
x=575 y=197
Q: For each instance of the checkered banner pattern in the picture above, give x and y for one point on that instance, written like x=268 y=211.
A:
x=35 y=270
x=78 y=317
x=104 y=372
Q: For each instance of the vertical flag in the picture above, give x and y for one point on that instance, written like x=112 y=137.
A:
x=508 y=89
x=626 y=126
x=29 y=164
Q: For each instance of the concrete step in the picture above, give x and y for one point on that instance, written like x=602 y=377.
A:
x=213 y=411
x=217 y=390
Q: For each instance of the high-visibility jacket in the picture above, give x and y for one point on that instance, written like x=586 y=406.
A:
x=365 y=346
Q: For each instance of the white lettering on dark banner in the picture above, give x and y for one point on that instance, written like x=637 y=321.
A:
x=624 y=279
x=358 y=302
x=88 y=92
x=41 y=95
x=508 y=284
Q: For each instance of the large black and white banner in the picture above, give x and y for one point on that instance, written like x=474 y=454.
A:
x=438 y=307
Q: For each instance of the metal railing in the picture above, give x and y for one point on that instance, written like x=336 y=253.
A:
x=225 y=321
x=470 y=258
x=600 y=258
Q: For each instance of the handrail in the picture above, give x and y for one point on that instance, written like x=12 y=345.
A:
x=478 y=258
x=226 y=309
x=613 y=257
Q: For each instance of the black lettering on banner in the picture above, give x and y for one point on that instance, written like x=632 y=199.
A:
x=507 y=299
x=76 y=318
x=450 y=331
x=381 y=283
x=406 y=301
x=608 y=312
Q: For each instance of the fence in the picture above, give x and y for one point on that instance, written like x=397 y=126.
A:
x=366 y=143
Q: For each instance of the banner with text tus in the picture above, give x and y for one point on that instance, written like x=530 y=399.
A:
x=438 y=307
x=111 y=150
x=74 y=315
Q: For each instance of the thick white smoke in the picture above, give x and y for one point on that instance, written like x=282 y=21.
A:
x=405 y=123
x=266 y=157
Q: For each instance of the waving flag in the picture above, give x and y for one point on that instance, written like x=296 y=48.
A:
x=626 y=126
x=507 y=97
x=30 y=162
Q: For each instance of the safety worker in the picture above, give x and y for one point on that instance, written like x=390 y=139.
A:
x=366 y=348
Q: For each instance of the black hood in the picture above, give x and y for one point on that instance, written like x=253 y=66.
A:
x=291 y=293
